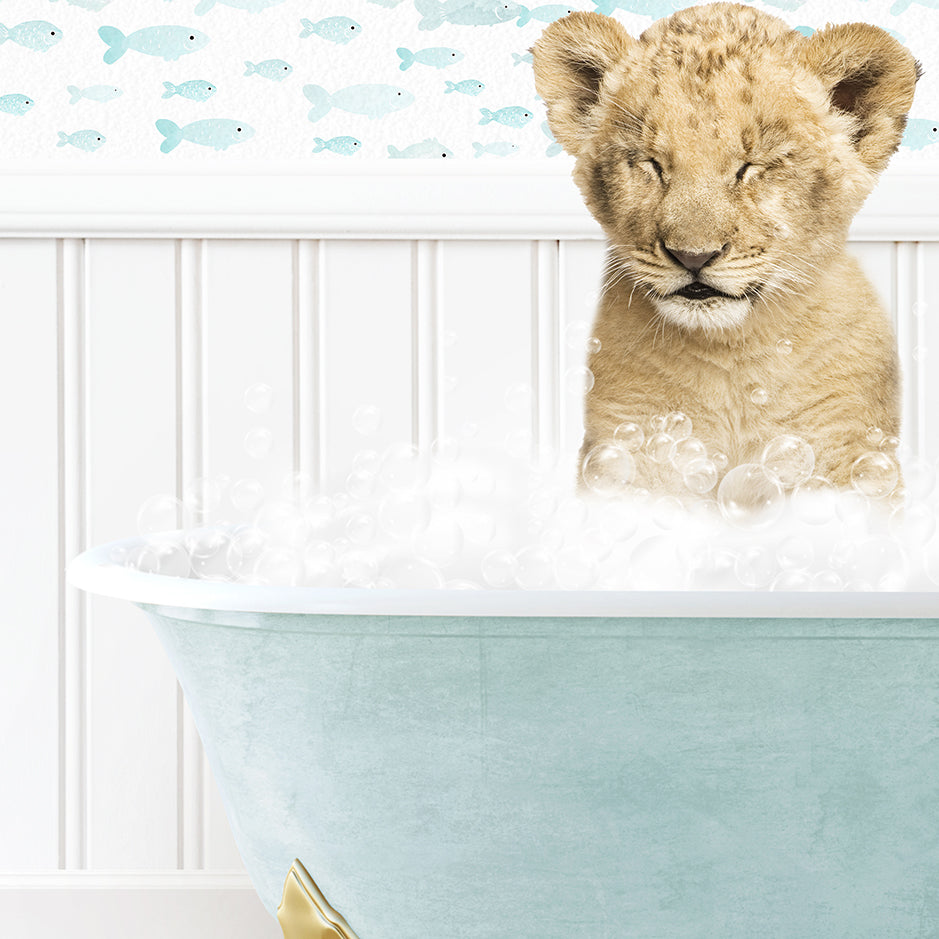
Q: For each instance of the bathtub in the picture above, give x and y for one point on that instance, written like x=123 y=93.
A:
x=537 y=765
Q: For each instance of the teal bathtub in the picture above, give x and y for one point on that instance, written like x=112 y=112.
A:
x=461 y=765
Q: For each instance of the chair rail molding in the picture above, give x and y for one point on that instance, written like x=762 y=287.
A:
x=372 y=200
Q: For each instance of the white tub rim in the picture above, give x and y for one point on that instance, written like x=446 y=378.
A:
x=95 y=572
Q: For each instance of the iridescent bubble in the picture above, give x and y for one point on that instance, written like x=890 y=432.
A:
x=749 y=498
x=203 y=496
x=827 y=580
x=403 y=514
x=792 y=580
x=579 y=381
x=874 y=436
x=659 y=447
x=258 y=442
x=284 y=522
x=259 y=397
x=677 y=425
x=244 y=549
x=280 y=566
x=407 y=573
x=575 y=335
x=164 y=556
x=700 y=476
x=629 y=435
x=685 y=451
x=608 y=469
x=814 y=501
x=759 y=395
x=360 y=484
x=160 y=513
x=404 y=468
x=498 y=568
x=593 y=345
x=366 y=419
x=534 y=568
x=795 y=552
x=518 y=398
x=783 y=347
x=720 y=460
x=874 y=474
x=755 y=566
x=246 y=494
x=912 y=525
x=367 y=461
x=361 y=528
x=208 y=553
x=788 y=460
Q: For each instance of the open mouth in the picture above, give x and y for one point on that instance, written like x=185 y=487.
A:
x=699 y=291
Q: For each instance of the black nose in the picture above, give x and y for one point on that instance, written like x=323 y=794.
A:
x=692 y=260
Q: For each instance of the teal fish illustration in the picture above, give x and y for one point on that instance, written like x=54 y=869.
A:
x=16 y=104
x=87 y=140
x=438 y=57
x=508 y=117
x=469 y=87
x=217 y=133
x=168 y=42
x=430 y=149
x=920 y=133
x=500 y=148
x=653 y=8
x=544 y=14
x=345 y=146
x=249 y=6
x=37 y=35
x=519 y=58
x=195 y=90
x=466 y=12
x=386 y=3
x=805 y=30
x=555 y=148
x=338 y=29
x=901 y=6
x=102 y=93
x=371 y=100
x=94 y=5
x=274 y=69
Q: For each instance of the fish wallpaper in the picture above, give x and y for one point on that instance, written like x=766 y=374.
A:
x=229 y=81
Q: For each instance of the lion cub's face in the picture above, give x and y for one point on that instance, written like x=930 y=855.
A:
x=723 y=153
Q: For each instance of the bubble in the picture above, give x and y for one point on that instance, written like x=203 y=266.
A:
x=469 y=429
x=319 y=513
x=360 y=484
x=284 y=522
x=366 y=419
x=749 y=498
x=755 y=566
x=788 y=460
x=608 y=469
x=720 y=460
x=783 y=347
x=792 y=580
x=578 y=381
x=208 y=553
x=659 y=447
x=407 y=573
x=518 y=398
x=700 y=476
x=668 y=512
x=441 y=542
x=629 y=435
x=593 y=345
x=404 y=468
x=574 y=569
x=361 y=528
x=319 y=565
x=827 y=580
x=404 y=514
x=203 y=496
x=795 y=553
x=259 y=397
x=759 y=395
x=575 y=335
x=164 y=556
x=677 y=425
x=875 y=560
x=258 y=442
x=874 y=474
x=479 y=482
x=534 y=568
x=572 y=513
x=542 y=504
x=889 y=443
x=446 y=450
x=358 y=568
x=852 y=508
x=444 y=489
x=686 y=451
x=244 y=549
x=296 y=487
x=912 y=525
x=279 y=565
x=498 y=568
x=367 y=461
x=931 y=560
x=160 y=513
x=874 y=436
x=657 y=424
x=246 y=495
x=813 y=501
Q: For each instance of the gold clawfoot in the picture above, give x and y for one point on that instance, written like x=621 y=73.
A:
x=304 y=912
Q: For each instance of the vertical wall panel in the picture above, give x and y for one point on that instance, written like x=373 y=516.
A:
x=877 y=260
x=368 y=351
x=486 y=322
x=131 y=336
x=926 y=314
x=29 y=558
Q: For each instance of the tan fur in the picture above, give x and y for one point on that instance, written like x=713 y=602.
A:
x=662 y=127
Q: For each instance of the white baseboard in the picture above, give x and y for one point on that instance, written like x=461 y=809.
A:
x=171 y=905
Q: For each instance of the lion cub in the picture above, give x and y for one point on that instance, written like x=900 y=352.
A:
x=725 y=155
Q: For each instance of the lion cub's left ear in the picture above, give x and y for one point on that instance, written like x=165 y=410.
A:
x=870 y=76
x=571 y=60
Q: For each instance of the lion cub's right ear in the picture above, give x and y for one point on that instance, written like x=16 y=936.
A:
x=571 y=59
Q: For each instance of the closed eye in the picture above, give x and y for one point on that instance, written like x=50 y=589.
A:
x=656 y=166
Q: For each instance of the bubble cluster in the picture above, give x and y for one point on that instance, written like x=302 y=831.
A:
x=459 y=516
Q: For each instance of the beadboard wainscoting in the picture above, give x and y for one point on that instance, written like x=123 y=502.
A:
x=137 y=311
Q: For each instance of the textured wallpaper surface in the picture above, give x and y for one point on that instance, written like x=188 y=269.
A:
x=227 y=81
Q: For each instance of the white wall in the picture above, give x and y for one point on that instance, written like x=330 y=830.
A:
x=126 y=357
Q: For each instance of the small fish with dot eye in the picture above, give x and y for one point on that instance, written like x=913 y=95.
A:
x=429 y=149
x=508 y=117
x=373 y=101
x=471 y=86
x=38 y=35
x=87 y=140
x=344 y=146
x=500 y=148
x=920 y=133
x=217 y=133
x=338 y=29
x=99 y=93
x=437 y=57
x=195 y=90
x=16 y=104
x=276 y=70
x=166 y=42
